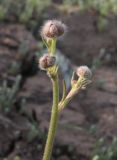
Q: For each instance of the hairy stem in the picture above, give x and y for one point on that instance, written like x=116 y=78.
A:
x=53 y=121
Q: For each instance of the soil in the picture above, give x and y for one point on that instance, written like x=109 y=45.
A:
x=24 y=129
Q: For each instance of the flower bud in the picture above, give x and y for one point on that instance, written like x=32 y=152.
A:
x=46 y=61
x=84 y=71
x=53 y=29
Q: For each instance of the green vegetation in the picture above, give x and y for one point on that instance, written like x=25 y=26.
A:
x=23 y=10
x=105 y=152
x=102 y=6
x=8 y=95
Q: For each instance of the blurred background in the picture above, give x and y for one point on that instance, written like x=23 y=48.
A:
x=87 y=128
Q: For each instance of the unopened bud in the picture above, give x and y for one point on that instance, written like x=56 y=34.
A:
x=53 y=29
x=46 y=61
x=84 y=71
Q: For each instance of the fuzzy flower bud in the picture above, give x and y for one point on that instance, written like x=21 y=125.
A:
x=53 y=29
x=84 y=71
x=46 y=61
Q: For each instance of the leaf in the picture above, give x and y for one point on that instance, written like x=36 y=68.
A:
x=47 y=43
x=64 y=91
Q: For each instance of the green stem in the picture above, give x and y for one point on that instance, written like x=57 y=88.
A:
x=53 y=121
x=53 y=47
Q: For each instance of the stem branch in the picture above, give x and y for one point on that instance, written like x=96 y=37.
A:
x=68 y=98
